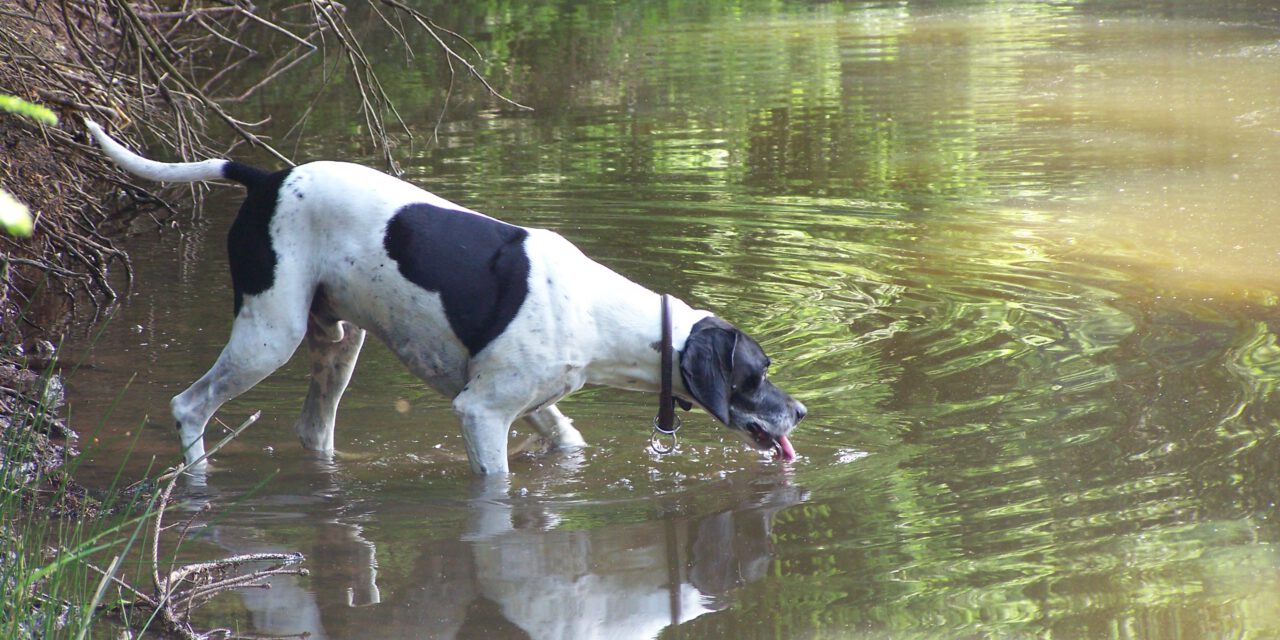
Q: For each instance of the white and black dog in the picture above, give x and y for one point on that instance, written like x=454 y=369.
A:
x=503 y=319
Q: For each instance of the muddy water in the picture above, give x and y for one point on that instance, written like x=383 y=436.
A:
x=1019 y=259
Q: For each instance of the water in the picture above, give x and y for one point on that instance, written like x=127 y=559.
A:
x=1016 y=258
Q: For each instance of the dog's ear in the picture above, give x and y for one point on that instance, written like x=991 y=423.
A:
x=707 y=368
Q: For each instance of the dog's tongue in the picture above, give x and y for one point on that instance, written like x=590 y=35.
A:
x=785 y=449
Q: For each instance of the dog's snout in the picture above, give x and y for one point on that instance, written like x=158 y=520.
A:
x=800 y=410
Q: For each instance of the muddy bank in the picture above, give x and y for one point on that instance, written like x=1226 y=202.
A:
x=65 y=270
x=69 y=263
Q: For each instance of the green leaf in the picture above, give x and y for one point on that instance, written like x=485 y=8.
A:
x=15 y=218
x=33 y=111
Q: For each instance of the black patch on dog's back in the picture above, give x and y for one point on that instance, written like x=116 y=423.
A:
x=249 y=250
x=478 y=265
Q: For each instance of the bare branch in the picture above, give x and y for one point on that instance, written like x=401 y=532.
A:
x=144 y=31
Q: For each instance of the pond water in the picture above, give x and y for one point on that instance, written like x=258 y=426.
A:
x=1018 y=258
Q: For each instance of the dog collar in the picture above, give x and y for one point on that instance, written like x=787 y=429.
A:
x=666 y=423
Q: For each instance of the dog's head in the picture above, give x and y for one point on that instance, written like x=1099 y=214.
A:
x=727 y=372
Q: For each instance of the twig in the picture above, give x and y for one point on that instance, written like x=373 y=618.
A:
x=171 y=601
x=25 y=16
x=271 y=78
x=144 y=31
x=433 y=29
x=175 y=473
x=138 y=595
x=174 y=15
x=277 y=28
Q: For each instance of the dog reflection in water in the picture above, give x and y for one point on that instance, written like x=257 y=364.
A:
x=515 y=573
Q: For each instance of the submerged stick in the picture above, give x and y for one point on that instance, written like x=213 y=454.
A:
x=182 y=589
x=177 y=471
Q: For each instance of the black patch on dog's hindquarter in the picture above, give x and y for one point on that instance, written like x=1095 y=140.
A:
x=249 y=250
x=478 y=265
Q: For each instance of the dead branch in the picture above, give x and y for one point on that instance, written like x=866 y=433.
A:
x=178 y=591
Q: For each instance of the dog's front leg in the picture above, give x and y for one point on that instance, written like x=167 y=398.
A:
x=484 y=430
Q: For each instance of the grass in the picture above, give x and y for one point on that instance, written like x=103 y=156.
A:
x=62 y=552
x=51 y=530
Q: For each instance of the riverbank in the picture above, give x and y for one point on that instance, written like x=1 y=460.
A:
x=66 y=57
x=69 y=268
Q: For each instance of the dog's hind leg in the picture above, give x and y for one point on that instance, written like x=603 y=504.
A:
x=334 y=347
x=264 y=335
x=556 y=427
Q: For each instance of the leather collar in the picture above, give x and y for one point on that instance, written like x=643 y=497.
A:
x=666 y=423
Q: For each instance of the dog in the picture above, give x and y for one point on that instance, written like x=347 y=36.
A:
x=502 y=319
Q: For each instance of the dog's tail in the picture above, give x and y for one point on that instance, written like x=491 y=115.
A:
x=172 y=171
